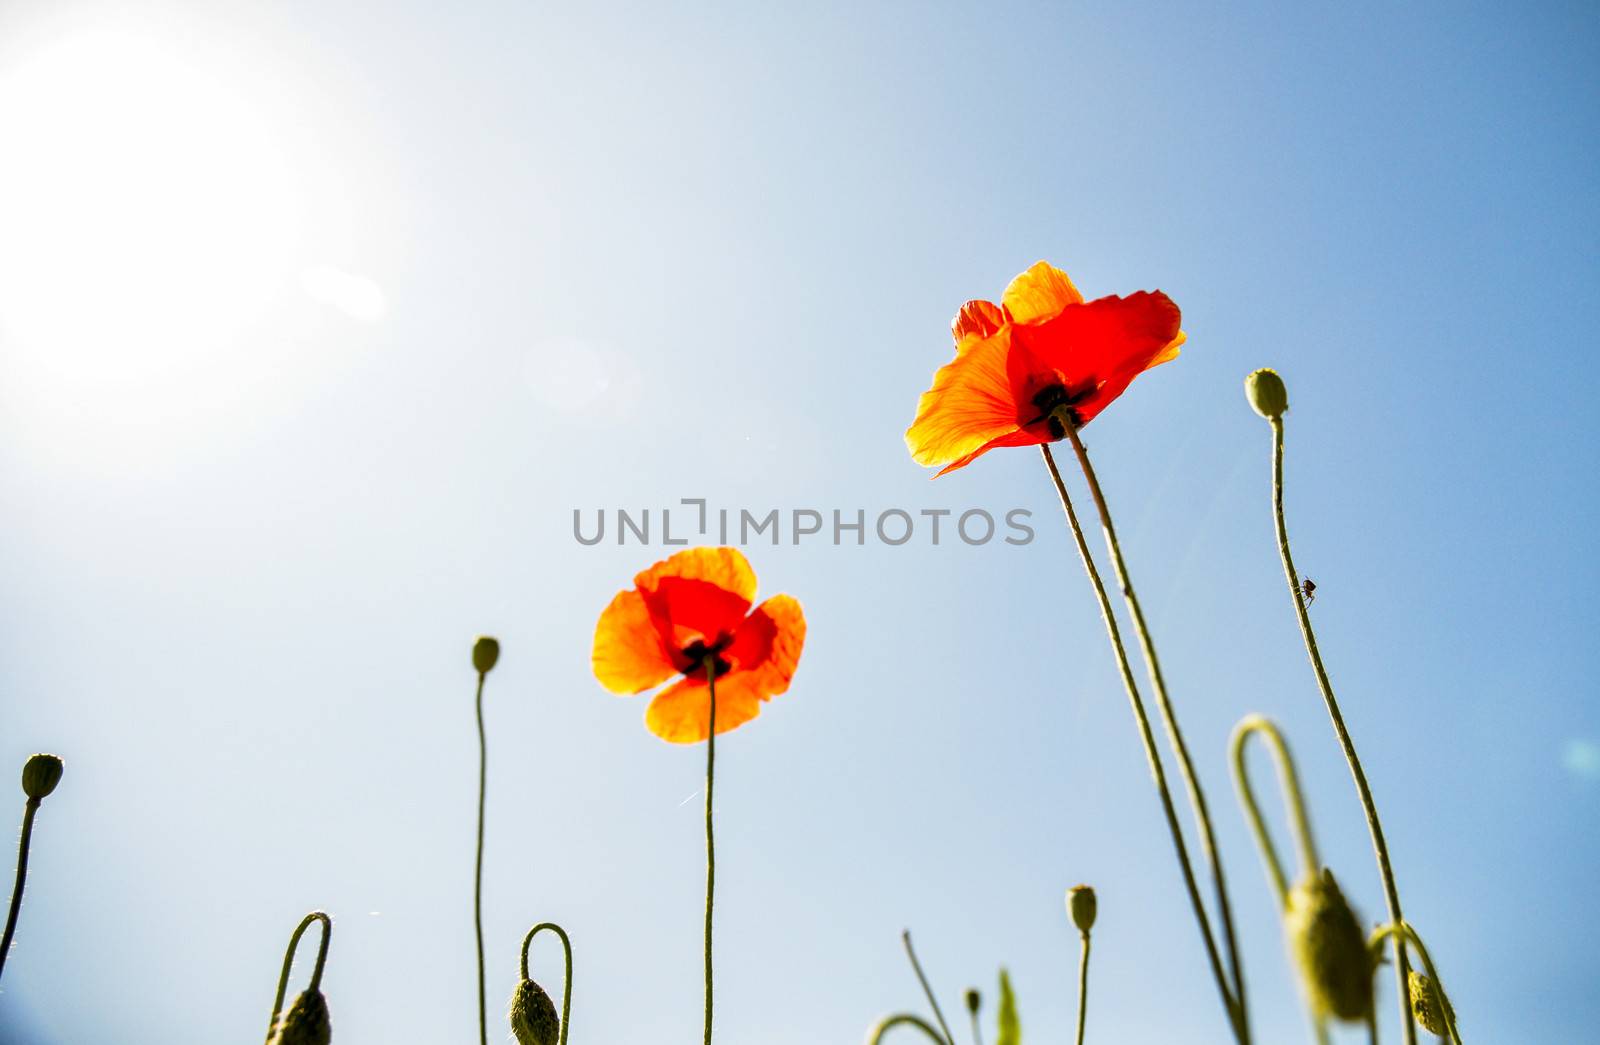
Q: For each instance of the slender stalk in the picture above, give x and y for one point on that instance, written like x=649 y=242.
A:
x=1083 y=985
x=977 y=1034
x=1292 y=797
x=1169 y=720
x=1152 y=753
x=1391 y=894
x=904 y=1019
x=288 y=963
x=711 y=845
x=28 y=812
x=927 y=991
x=1403 y=934
x=566 y=986
x=477 y=879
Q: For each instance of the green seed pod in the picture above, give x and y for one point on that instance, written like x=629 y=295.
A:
x=485 y=654
x=533 y=1016
x=1082 y=906
x=306 y=1022
x=1431 y=1009
x=40 y=775
x=974 y=1000
x=1329 y=950
x=1267 y=395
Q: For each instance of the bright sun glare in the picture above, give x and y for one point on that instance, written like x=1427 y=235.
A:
x=147 y=216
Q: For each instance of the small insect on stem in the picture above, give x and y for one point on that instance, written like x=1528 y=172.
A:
x=1308 y=588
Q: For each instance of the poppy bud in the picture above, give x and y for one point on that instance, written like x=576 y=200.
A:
x=1430 y=1007
x=306 y=1022
x=1264 y=388
x=40 y=775
x=1082 y=906
x=485 y=654
x=1329 y=949
x=974 y=1000
x=533 y=1016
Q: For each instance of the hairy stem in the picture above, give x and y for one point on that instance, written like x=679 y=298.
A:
x=477 y=878
x=1380 y=848
x=28 y=812
x=1169 y=721
x=711 y=846
x=1152 y=753
x=1083 y=985
x=566 y=985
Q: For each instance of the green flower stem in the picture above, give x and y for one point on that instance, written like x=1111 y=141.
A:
x=875 y=1035
x=711 y=845
x=1292 y=798
x=927 y=991
x=288 y=964
x=1169 y=720
x=28 y=812
x=566 y=985
x=977 y=1034
x=477 y=878
x=1403 y=933
x=1083 y=985
x=1152 y=754
x=1391 y=894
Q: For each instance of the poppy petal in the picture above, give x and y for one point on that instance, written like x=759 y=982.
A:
x=1021 y=437
x=969 y=405
x=977 y=319
x=727 y=568
x=680 y=713
x=1039 y=293
x=766 y=649
x=1107 y=342
x=628 y=654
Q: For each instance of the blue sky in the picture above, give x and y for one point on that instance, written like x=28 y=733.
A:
x=323 y=318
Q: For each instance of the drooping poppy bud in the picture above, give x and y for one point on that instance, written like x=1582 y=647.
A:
x=1082 y=906
x=1329 y=949
x=533 y=1016
x=485 y=654
x=306 y=1022
x=1267 y=394
x=40 y=775
x=1431 y=1008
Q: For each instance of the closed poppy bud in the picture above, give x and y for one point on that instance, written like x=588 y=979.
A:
x=1081 y=904
x=40 y=775
x=485 y=654
x=1430 y=1008
x=533 y=1016
x=1264 y=388
x=1329 y=949
x=974 y=1000
x=306 y=1022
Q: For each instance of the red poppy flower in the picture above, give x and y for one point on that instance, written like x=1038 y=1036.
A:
x=683 y=613
x=1041 y=350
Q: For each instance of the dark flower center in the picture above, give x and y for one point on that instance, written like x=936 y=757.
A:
x=697 y=654
x=1053 y=397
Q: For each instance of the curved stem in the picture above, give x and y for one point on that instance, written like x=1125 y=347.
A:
x=1403 y=933
x=1152 y=754
x=927 y=991
x=1289 y=779
x=711 y=845
x=477 y=878
x=288 y=963
x=1083 y=986
x=903 y=1019
x=1169 y=720
x=1391 y=893
x=566 y=947
x=28 y=811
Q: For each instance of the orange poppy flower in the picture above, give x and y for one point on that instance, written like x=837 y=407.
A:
x=1042 y=349
x=684 y=612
